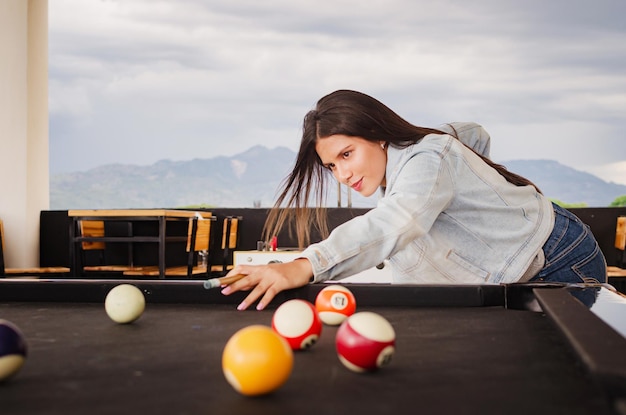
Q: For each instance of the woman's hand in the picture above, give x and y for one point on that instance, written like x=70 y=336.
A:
x=268 y=280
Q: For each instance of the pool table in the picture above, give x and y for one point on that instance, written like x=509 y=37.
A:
x=501 y=349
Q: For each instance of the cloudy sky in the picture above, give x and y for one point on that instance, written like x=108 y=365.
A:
x=137 y=81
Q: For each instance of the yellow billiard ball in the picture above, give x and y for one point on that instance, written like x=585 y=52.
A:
x=257 y=360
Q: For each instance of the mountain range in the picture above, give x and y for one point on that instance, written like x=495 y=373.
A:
x=252 y=179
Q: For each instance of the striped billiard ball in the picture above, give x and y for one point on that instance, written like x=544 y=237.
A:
x=334 y=304
x=297 y=322
x=365 y=342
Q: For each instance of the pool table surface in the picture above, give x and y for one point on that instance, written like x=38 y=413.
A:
x=517 y=349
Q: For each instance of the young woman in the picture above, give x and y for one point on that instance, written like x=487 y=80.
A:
x=447 y=214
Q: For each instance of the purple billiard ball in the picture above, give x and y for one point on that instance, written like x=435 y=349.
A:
x=13 y=349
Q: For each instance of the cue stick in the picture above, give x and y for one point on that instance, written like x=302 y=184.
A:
x=218 y=282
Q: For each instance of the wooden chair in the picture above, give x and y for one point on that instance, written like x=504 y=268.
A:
x=198 y=241
x=230 y=240
x=620 y=247
x=20 y=272
x=95 y=229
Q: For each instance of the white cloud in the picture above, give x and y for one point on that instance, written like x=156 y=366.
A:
x=136 y=81
x=612 y=172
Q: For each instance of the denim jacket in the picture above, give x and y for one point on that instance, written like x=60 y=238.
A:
x=445 y=217
x=471 y=134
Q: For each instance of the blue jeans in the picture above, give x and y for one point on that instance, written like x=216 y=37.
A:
x=572 y=253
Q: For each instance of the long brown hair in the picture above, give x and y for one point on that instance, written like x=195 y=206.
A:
x=348 y=113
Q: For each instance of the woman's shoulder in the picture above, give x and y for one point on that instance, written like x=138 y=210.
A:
x=435 y=142
x=430 y=143
x=460 y=127
x=472 y=134
x=436 y=145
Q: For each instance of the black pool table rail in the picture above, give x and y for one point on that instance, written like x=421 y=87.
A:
x=601 y=349
x=192 y=292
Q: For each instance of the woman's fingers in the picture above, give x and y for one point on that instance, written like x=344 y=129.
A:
x=265 y=281
x=257 y=292
x=240 y=284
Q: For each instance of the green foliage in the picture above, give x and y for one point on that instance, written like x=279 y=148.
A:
x=200 y=206
x=619 y=201
x=569 y=205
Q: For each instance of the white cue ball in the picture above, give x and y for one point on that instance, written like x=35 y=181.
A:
x=125 y=303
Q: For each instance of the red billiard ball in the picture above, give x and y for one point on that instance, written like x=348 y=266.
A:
x=13 y=349
x=334 y=304
x=297 y=322
x=365 y=342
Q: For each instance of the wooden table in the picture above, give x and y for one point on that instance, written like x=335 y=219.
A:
x=162 y=216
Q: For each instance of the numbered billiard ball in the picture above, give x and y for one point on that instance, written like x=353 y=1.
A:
x=13 y=349
x=256 y=360
x=334 y=304
x=125 y=303
x=365 y=342
x=297 y=322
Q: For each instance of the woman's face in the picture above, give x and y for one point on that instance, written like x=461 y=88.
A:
x=354 y=161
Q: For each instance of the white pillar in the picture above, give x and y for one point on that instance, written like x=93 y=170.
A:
x=24 y=165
